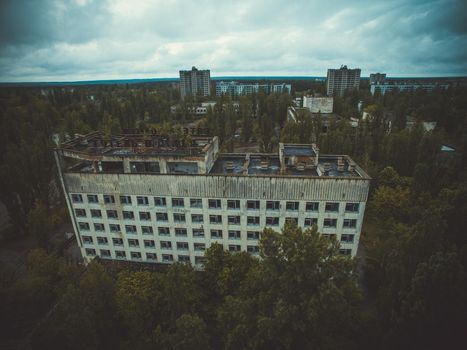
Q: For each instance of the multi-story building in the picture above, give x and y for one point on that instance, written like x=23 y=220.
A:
x=149 y=198
x=377 y=78
x=405 y=86
x=318 y=104
x=234 y=88
x=341 y=79
x=195 y=82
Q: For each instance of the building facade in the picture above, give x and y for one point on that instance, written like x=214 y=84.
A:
x=318 y=104
x=234 y=88
x=339 y=80
x=195 y=82
x=377 y=78
x=146 y=199
x=402 y=87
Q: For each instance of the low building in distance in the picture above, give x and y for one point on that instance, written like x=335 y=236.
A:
x=379 y=82
x=195 y=82
x=148 y=198
x=339 y=80
x=318 y=104
x=234 y=88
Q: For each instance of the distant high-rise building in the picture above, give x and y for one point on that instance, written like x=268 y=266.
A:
x=377 y=78
x=195 y=82
x=342 y=79
x=234 y=88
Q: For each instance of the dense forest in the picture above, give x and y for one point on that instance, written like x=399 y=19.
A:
x=407 y=290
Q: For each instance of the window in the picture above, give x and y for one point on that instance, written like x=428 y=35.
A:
x=109 y=199
x=253 y=235
x=149 y=243
x=151 y=256
x=163 y=231
x=332 y=207
x=272 y=221
x=167 y=258
x=99 y=227
x=166 y=245
x=105 y=253
x=92 y=198
x=184 y=258
x=214 y=203
x=197 y=218
x=291 y=221
x=162 y=217
x=135 y=255
x=312 y=206
x=80 y=213
x=146 y=230
x=252 y=205
x=87 y=240
x=272 y=205
x=200 y=260
x=352 y=207
x=142 y=200
x=102 y=240
x=96 y=213
x=83 y=226
x=114 y=228
x=234 y=248
x=350 y=223
x=133 y=242
x=199 y=246
x=196 y=203
x=292 y=206
x=76 y=198
x=178 y=203
x=346 y=238
x=329 y=235
x=345 y=251
x=182 y=245
x=181 y=232
x=198 y=232
x=233 y=219
x=311 y=222
x=252 y=220
x=215 y=219
x=160 y=202
x=112 y=214
x=120 y=254
x=252 y=249
x=130 y=229
x=330 y=223
x=144 y=215
x=125 y=199
x=117 y=241
x=128 y=215
x=216 y=234
x=90 y=252
x=179 y=217
x=234 y=234
x=233 y=204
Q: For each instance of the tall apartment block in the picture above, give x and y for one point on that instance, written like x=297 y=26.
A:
x=146 y=198
x=341 y=79
x=195 y=82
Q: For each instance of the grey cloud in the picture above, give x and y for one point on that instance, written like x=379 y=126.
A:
x=82 y=39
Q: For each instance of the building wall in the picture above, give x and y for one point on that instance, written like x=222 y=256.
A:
x=339 y=80
x=318 y=104
x=242 y=188
x=195 y=82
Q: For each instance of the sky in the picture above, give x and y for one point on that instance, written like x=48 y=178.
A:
x=50 y=40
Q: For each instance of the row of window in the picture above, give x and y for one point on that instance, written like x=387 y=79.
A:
x=233 y=204
x=151 y=244
x=213 y=219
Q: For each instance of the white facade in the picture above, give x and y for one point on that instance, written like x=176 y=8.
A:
x=318 y=104
x=387 y=87
x=169 y=217
x=234 y=88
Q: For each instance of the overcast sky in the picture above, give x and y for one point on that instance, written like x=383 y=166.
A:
x=122 y=39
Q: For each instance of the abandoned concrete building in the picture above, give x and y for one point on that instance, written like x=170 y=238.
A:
x=148 y=198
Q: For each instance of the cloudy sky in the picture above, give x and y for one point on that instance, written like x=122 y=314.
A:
x=43 y=40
